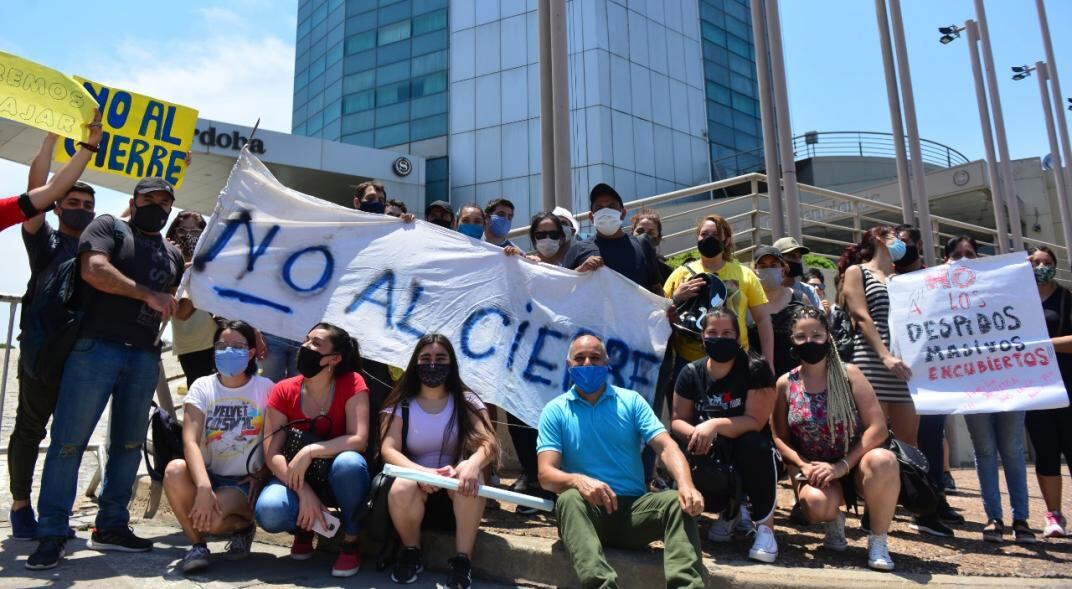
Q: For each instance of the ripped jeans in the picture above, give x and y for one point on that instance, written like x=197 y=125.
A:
x=96 y=371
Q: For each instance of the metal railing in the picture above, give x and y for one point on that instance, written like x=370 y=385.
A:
x=870 y=144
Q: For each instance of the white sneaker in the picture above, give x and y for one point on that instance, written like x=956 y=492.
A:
x=722 y=529
x=765 y=548
x=835 y=534
x=878 y=555
x=744 y=521
x=1055 y=525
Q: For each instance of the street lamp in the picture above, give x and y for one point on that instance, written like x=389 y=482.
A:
x=1022 y=71
x=949 y=33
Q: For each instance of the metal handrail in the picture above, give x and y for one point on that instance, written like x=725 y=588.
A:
x=871 y=144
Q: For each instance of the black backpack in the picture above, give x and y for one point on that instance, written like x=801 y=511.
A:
x=165 y=432
x=918 y=494
x=55 y=315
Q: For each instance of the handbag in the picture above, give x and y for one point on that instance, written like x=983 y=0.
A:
x=918 y=494
x=165 y=433
x=319 y=468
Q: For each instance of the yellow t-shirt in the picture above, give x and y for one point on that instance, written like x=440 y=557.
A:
x=743 y=291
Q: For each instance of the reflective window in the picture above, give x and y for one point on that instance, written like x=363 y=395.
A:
x=360 y=42
x=394 y=33
x=358 y=102
x=392 y=94
x=433 y=21
x=428 y=127
x=393 y=135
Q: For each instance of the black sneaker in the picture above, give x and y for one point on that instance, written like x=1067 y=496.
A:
x=948 y=515
x=408 y=566
x=48 y=554
x=931 y=524
x=1022 y=533
x=461 y=573
x=948 y=482
x=119 y=540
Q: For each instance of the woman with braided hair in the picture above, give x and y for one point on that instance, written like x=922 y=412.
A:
x=830 y=430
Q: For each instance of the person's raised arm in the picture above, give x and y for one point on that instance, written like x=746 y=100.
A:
x=39 y=177
x=667 y=449
x=44 y=196
x=98 y=272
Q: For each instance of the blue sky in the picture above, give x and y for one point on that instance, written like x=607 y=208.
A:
x=234 y=61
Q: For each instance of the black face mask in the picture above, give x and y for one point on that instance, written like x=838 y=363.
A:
x=445 y=223
x=309 y=362
x=710 y=246
x=372 y=206
x=433 y=375
x=721 y=349
x=910 y=256
x=149 y=218
x=77 y=219
x=811 y=352
x=796 y=269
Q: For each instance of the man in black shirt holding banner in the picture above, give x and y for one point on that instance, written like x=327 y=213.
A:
x=130 y=273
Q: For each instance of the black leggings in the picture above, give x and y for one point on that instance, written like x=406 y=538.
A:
x=754 y=459
x=1051 y=434
x=524 y=439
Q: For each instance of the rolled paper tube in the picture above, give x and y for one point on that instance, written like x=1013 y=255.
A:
x=483 y=491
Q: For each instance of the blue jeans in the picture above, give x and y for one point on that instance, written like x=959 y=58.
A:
x=95 y=371
x=281 y=361
x=993 y=434
x=277 y=506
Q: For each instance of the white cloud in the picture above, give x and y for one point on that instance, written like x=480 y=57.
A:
x=221 y=16
x=226 y=78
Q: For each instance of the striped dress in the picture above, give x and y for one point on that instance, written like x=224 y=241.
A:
x=887 y=387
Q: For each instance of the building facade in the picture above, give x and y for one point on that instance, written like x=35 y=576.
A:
x=662 y=92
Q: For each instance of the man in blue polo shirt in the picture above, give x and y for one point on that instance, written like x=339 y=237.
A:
x=600 y=480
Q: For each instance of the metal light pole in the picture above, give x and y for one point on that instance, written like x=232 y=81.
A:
x=996 y=191
x=781 y=105
x=770 y=137
x=1042 y=71
x=1055 y=84
x=560 y=74
x=894 y=100
x=1012 y=202
x=547 y=108
x=918 y=182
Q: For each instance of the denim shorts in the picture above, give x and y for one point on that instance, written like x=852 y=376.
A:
x=220 y=481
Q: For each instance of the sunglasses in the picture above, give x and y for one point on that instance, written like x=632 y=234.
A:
x=547 y=234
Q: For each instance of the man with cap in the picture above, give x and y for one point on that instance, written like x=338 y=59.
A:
x=626 y=254
x=440 y=213
x=130 y=273
x=793 y=254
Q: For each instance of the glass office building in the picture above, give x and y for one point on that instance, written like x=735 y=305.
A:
x=662 y=92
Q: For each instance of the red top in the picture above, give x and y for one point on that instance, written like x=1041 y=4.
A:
x=10 y=212
x=286 y=398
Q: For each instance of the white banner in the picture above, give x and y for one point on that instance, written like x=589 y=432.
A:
x=975 y=338
x=283 y=261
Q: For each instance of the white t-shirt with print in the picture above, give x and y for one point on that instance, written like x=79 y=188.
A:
x=234 y=422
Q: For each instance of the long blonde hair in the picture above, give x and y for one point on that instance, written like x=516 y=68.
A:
x=840 y=404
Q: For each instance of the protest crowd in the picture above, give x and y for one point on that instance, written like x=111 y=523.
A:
x=771 y=374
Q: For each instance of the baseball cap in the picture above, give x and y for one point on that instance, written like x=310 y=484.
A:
x=439 y=204
x=766 y=250
x=563 y=212
x=603 y=188
x=153 y=184
x=788 y=244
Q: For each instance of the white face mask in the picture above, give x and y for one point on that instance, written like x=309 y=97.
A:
x=607 y=221
x=547 y=247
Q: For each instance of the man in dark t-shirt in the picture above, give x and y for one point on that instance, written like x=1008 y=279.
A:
x=130 y=273
x=626 y=254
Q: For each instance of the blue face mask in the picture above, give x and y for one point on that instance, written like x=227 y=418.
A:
x=471 y=229
x=897 y=249
x=499 y=226
x=589 y=378
x=232 y=361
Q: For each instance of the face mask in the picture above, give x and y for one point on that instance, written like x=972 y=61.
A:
x=149 y=218
x=654 y=241
x=471 y=229
x=567 y=231
x=721 y=349
x=589 y=379
x=499 y=226
x=710 y=246
x=796 y=269
x=811 y=352
x=607 y=221
x=372 y=206
x=910 y=256
x=77 y=219
x=444 y=223
x=897 y=250
x=309 y=362
x=771 y=278
x=547 y=247
x=232 y=361
x=1044 y=274
x=433 y=375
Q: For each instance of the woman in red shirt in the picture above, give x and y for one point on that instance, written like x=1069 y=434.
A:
x=330 y=398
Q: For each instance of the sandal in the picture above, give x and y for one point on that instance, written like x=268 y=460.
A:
x=1022 y=533
x=994 y=531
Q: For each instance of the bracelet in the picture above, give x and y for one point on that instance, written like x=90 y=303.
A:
x=846 y=463
x=88 y=147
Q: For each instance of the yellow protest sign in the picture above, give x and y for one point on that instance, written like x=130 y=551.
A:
x=143 y=136
x=42 y=97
